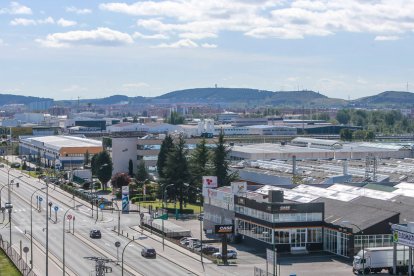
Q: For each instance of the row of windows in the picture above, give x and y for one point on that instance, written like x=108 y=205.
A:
x=293 y=236
x=279 y=217
x=372 y=241
x=336 y=242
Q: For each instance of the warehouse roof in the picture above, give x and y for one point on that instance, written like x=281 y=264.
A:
x=59 y=141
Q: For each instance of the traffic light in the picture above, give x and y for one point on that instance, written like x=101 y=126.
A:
x=17 y=184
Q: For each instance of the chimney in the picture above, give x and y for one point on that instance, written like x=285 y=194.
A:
x=294 y=164
x=345 y=167
x=275 y=196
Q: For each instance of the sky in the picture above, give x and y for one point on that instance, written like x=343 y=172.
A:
x=93 y=49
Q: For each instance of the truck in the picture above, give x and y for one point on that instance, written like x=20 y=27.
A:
x=375 y=259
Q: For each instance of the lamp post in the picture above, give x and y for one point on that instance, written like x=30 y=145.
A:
x=122 y=257
x=47 y=225
x=200 y=219
x=164 y=199
x=64 y=220
x=119 y=216
x=9 y=205
x=362 y=241
x=31 y=225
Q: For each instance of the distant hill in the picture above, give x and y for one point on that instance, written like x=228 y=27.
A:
x=245 y=96
x=16 y=99
x=387 y=99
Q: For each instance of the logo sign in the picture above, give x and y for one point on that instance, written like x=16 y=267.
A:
x=224 y=229
x=238 y=187
x=69 y=217
x=404 y=238
x=210 y=181
x=125 y=199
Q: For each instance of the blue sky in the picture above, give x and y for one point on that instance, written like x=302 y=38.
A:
x=91 y=49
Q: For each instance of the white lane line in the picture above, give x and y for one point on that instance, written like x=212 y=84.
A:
x=18 y=229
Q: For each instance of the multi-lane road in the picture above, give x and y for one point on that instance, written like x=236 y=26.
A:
x=79 y=245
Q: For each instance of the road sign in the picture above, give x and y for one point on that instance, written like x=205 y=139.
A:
x=69 y=217
x=25 y=249
x=269 y=256
x=164 y=216
x=101 y=206
x=117 y=244
x=56 y=208
x=40 y=199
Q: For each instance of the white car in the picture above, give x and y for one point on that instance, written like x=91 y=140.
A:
x=231 y=254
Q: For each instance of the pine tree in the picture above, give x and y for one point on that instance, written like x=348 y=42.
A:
x=130 y=168
x=199 y=166
x=221 y=164
x=142 y=173
x=176 y=171
x=166 y=146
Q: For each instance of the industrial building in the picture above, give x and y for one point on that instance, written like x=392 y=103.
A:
x=65 y=151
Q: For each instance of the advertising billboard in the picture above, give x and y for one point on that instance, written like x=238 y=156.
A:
x=224 y=229
x=125 y=199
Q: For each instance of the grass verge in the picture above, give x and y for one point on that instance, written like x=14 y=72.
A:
x=6 y=266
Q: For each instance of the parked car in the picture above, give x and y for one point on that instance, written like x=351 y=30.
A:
x=209 y=250
x=231 y=254
x=187 y=241
x=95 y=234
x=1 y=165
x=148 y=252
x=184 y=240
x=15 y=165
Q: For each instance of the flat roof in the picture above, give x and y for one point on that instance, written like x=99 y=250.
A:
x=60 y=141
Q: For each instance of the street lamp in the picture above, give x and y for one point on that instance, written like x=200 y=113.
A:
x=119 y=216
x=164 y=199
x=9 y=205
x=91 y=186
x=31 y=226
x=200 y=219
x=362 y=241
x=122 y=257
x=64 y=220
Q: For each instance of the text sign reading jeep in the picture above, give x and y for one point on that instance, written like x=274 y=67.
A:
x=224 y=229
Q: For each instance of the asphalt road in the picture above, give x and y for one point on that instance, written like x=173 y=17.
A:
x=79 y=245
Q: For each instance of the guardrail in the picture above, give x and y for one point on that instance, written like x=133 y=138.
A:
x=16 y=258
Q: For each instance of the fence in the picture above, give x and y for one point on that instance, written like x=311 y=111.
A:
x=16 y=258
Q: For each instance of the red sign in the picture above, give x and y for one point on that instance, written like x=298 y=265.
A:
x=69 y=217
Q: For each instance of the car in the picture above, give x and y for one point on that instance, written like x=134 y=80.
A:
x=184 y=240
x=2 y=165
x=209 y=250
x=231 y=254
x=15 y=165
x=148 y=252
x=95 y=234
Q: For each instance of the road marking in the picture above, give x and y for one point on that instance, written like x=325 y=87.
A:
x=18 y=229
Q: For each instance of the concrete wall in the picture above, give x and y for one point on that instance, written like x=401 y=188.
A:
x=123 y=150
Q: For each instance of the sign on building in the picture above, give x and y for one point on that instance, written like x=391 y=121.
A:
x=209 y=181
x=224 y=229
x=238 y=187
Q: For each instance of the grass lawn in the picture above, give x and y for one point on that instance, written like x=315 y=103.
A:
x=6 y=266
x=155 y=204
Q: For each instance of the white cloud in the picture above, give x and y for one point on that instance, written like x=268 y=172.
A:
x=31 y=22
x=23 y=22
x=97 y=37
x=386 y=38
x=78 y=11
x=2 y=43
x=183 y=43
x=154 y=36
x=296 y=19
x=16 y=8
x=66 y=23
x=197 y=36
x=208 y=45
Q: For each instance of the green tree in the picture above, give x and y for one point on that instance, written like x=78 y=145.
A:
x=142 y=173
x=166 y=146
x=199 y=166
x=130 y=168
x=176 y=170
x=346 y=134
x=103 y=168
x=175 y=119
x=86 y=158
x=343 y=116
x=94 y=166
x=119 y=180
x=221 y=163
